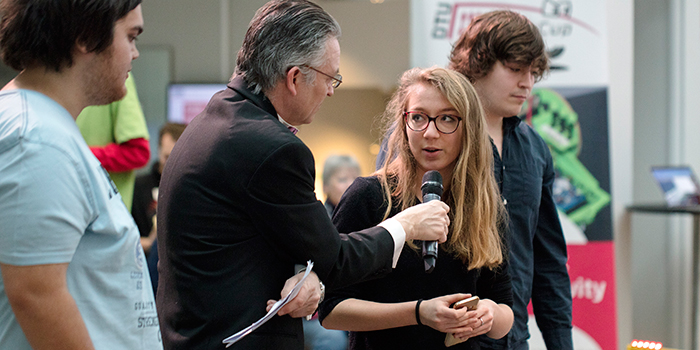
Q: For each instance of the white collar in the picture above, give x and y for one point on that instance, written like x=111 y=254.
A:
x=284 y=122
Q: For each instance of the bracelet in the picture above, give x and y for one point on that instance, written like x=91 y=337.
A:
x=418 y=312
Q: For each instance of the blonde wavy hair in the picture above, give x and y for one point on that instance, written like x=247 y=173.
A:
x=476 y=210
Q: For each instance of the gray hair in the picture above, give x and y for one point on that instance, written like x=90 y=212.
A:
x=284 y=34
x=336 y=162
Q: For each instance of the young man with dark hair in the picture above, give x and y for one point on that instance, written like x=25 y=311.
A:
x=73 y=271
x=503 y=55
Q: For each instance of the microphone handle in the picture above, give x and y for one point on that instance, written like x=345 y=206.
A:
x=430 y=197
x=430 y=248
x=430 y=252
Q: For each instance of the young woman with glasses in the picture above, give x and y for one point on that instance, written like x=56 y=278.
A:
x=438 y=124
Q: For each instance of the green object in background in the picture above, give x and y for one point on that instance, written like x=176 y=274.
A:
x=576 y=192
x=117 y=122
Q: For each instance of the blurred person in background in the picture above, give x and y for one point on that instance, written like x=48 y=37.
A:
x=339 y=171
x=146 y=186
x=146 y=197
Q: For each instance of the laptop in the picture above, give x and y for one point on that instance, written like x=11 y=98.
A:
x=679 y=185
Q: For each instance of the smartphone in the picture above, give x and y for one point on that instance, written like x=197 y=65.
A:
x=470 y=304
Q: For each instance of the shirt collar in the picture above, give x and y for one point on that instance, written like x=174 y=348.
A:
x=284 y=122
x=289 y=126
x=510 y=123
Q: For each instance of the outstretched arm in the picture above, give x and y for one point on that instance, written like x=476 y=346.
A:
x=361 y=315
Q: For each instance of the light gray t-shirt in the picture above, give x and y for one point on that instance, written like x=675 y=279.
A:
x=58 y=205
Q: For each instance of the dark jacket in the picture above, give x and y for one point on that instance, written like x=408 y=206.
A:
x=236 y=211
x=525 y=175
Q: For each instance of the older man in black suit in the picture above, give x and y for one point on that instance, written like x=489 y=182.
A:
x=237 y=207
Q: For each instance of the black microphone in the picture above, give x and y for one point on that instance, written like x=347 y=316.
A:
x=431 y=190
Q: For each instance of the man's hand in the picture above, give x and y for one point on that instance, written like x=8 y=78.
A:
x=426 y=221
x=306 y=302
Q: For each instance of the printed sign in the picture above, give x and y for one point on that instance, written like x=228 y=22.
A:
x=574 y=32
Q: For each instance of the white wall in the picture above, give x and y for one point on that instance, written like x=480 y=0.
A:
x=620 y=120
x=650 y=239
x=374 y=41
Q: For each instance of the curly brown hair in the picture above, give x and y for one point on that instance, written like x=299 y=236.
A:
x=504 y=36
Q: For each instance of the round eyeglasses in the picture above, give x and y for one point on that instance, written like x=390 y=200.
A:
x=337 y=79
x=444 y=123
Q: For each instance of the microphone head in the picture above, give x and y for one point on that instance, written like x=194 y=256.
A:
x=432 y=183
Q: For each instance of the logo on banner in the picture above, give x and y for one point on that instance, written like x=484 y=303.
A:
x=451 y=20
x=553 y=18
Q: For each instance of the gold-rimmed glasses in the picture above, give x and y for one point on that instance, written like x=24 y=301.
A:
x=337 y=79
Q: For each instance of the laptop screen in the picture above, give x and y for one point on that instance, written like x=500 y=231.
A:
x=678 y=183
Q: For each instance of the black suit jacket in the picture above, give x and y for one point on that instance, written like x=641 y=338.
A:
x=236 y=211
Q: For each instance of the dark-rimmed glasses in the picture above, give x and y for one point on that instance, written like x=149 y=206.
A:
x=419 y=121
x=337 y=79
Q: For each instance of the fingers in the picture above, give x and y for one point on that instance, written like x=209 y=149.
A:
x=440 y=219
x=289 y=284
x=299 y=307
x=305 y=302
x=437 y=313
x=476 y=325
x=427 y=221
x=479 y=321
x=453 y=298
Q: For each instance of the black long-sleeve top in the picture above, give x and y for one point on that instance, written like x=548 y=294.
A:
x=363 y=206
